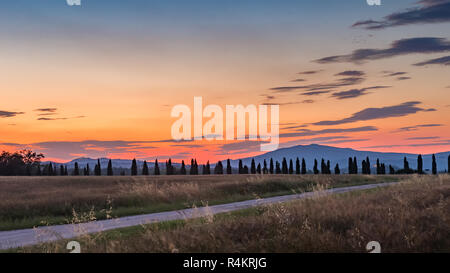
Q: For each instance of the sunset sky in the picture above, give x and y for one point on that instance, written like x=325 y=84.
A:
x=100 y=80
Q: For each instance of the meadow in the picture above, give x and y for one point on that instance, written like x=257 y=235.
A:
x=26 y=202
x=411 y=216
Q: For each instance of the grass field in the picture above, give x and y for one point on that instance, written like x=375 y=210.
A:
x=33 y=201
x=412 y=216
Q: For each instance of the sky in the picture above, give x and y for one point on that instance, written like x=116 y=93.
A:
x=100 y=79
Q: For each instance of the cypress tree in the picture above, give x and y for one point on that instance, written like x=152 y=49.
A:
x=315 y=169
x=245 y=170
x=258 y=169
x=378 y=166
x=368 y=171
x=448 y=164
x=134 y=170
x=191 y=170
x=391 y=170
x=87 y=171
x=355 y=165
x=277 y=168
x=195 y=167
x=109 y=170
x=284 y=166
x=229 y=170
x=364 y=167
x=419 y=164
x=241 y=167
x=76 y=171
x=303 y=166
x=405 y=165
x=297 y=166
x=99 y=168
x=61 y=170
x=183 y=168
x=157 y=172
x=291 y=167
x=84 y=171
x=208 y=168
x=219 y=168
x=145 y=168
x=383 y=168
x=350 y=166
x=271 y=166
x=328 y=167
x=323 y=167
x=265 y=170
x=434 y=165
x=253 y=167
x=336 y=169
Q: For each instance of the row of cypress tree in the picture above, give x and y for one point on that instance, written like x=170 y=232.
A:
x=271 y=168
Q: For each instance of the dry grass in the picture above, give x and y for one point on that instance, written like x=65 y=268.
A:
x=410 y=217
x=30 y=201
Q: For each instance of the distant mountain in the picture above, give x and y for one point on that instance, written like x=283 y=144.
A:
x=341 y=155
x=309 y=152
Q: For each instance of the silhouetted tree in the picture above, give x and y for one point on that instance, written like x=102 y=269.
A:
x=297 y=166
x=157 y=171
x=315 y=169
x=419 y=164
x=39 y=172
x=323 y=167
x=109 y=170
x=368 y=171
x=303 y=166
x=355 y=165
x=87 y=171
x=448 y=164
x=208 y=168
x=245 y=170
x=336 y=169
x=363 y=167
x=434 y=165
x=271 y=166
x=383 y=168
x=328 y=167
x=284 y=166
x=145 y=168
x=183 y=168
x=219 y=168
x=265 y=170
x=350 y=166
x=170 y=170
x=253 y=167
x=258 y=169
x=23 y=162
x=61 y=170
x=405 y=165
x=99 y=168
x=134 y=169
x=291 y=167
x=76 y=170
x=391 y=170
x=229 y=170
x=277 y=168
x=378 y=166
x=241 y=167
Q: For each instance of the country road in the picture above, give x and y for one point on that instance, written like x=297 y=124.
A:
x=26 y=237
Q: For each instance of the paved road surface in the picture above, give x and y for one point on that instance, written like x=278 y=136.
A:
x=26 y=237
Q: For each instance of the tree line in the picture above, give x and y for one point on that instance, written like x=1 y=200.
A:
x=27 y=162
